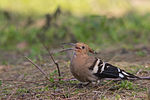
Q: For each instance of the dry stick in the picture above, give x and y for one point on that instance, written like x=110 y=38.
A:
x=22 y=81
x=53 y=61
x=106 y=90
x=38 y=67
x=51 y=57
x=119 y=79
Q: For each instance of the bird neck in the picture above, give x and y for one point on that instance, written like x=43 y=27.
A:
x=78 y=57
x=79 y=54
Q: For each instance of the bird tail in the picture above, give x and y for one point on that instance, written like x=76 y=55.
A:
x=129 y=76
x=133 y=77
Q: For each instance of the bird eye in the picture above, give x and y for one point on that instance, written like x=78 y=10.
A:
x=83 y=47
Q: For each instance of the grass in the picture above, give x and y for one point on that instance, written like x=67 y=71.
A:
x=141 y=53
x=77 y=7
x=96 y=30
x=30 y=7
x=127 y=85
x=99 y=31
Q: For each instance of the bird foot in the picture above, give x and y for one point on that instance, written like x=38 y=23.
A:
x=82 y=85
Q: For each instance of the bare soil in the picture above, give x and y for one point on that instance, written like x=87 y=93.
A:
x=21 y=80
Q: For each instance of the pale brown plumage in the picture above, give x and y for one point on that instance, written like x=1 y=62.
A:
x=80 y=63
x=87 y=68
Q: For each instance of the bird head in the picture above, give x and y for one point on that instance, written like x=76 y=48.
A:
x=81 y=48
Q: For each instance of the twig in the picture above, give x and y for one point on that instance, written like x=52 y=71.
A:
x=103 y=86
x=22 y=81
x=139 y=71
x=144 y=78
x=58 y=69
x=51 y=57
x=38 y=67
x=119 y=79
x=106 y=91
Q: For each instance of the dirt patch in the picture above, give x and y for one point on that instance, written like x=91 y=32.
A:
x=21 y=80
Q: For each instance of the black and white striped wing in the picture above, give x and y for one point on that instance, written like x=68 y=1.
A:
x=105 y=70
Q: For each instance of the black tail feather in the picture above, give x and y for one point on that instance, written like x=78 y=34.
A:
x=131 y=76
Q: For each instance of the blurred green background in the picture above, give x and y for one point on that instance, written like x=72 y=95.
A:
x=99 y=23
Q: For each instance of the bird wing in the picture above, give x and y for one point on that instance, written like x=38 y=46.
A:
x=105 y=70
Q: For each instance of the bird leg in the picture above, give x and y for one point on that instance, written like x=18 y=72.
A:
x=81 y=85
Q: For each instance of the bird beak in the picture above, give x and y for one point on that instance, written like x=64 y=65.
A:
x=68 y=49
x=72 y=44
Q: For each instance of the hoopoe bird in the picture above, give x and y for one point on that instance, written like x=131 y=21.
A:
x=89 y=69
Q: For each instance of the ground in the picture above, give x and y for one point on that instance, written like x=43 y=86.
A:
x=21 y=80
x=121 y=36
